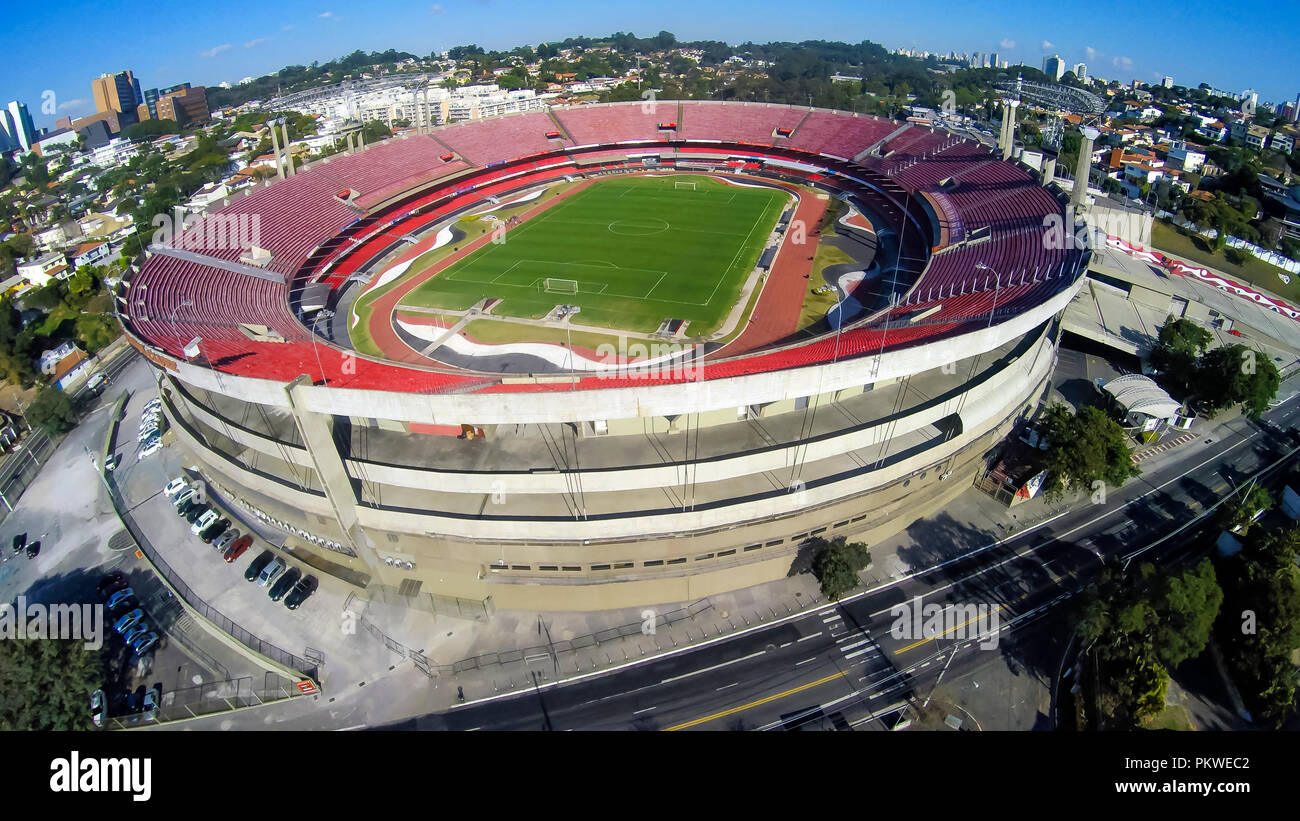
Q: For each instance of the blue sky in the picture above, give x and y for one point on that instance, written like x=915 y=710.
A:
x=62 y=46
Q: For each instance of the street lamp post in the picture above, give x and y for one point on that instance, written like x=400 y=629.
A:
x=322 y=314
x=997 y=280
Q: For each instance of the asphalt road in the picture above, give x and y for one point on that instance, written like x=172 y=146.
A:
x=844 y=662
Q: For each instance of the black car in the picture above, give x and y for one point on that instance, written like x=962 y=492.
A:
x=186 y=507
x=111 y=583
x=284 y=584
x=214 y=530
x=300 y=592
x=20 y=541
x=34 y=549
x=196 y=513
x=255 y=567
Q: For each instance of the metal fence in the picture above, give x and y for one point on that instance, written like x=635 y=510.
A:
x=21 y=467
x=247 y=638
x=211 y=697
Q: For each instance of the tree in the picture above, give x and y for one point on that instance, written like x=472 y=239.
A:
x=45 y=684
x=1239 y=514
x=1188 y=605
x=1085 y=448
x=1181 y=344
x=52 y=412
x=1237 y=374
x=836 y=565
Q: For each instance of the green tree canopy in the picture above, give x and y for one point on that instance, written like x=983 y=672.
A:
x=1237 y=374
x=836 y=564
x=52 y=412
x=45 y=684
x=1085 y=448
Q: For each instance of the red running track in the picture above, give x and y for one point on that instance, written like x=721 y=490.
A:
x=776 y=316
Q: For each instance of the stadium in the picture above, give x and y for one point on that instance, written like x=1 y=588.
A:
x=606 y=355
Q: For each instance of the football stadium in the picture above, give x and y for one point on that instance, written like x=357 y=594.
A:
x=606 y=355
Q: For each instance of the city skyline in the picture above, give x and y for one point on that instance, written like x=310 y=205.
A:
x=209 y=51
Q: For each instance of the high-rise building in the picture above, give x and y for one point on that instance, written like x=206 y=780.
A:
x=183 y=104
x=21 y=132
x=1081 y=72
x=117 y=93
x=1054 y=67
x=1167 y=82
x=994 y=61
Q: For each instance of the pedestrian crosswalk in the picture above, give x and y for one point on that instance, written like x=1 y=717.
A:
x=1163 y=446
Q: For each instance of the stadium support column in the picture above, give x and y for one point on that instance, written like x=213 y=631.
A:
x=1084 y=167
x=288 y=155
x=275 y=149
x=318 y=437
x=1049 y=170
x=428 y=119
x=1009 y=127
x=350 y=143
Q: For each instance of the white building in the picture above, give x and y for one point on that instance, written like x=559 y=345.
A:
x=44 y=268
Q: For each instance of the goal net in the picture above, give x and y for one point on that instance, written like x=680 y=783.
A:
x=560 y=286
x=687 y=185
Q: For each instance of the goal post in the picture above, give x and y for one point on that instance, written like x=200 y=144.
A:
x=687 y=185
x=554 y=285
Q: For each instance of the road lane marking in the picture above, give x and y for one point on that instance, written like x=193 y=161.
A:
x=805 y=661
x=813 y=636
x=916 y=644
x=752 y=704
x=714 y=667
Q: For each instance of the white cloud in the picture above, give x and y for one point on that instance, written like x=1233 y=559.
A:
x=1122 y=62
x=326 y=14
x=286 y=28
x=1007 y=42
x=1046 y=45
x=437 y=9
x=256 y=42
x=77 y=103
x=215 y=50
x=1091 y=52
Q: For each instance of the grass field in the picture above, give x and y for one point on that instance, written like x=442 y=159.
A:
x=1172 y=240
x=641 y=250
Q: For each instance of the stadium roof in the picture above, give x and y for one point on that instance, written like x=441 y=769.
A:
x=1140 y=394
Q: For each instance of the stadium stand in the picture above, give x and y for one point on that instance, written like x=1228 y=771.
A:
x=483 y=142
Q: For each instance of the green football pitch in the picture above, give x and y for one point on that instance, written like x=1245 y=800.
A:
x=630 y=251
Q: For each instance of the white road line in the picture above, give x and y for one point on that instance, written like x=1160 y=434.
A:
x=714 y=667
x=732 y=684
x=783 y=646
x=644 y=710
x=805 y=661
x=858 y=643
x=813 y=636
x=831 y=619
x=856 y=653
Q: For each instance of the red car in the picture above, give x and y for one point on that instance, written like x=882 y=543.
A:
x=237 y=548
x=1235 y=332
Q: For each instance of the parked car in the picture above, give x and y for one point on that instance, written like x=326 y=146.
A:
x=208 y=517
x=128 y=621
x=20 y=541
x=33 y=549
x=183 y=497
x=134 y=633
x=256 y=565
x=151 y=703
x=223 y=541
x=304 y=588
x=174 y=487
x=150 y=448
x=285 y=583
x=197 y=512
x=270 y=572
x=212 y=531
x=237 y=548
x=97 y=705
x=185 y=507
x=143 y=642
x=115 y=601
x=111 y=583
